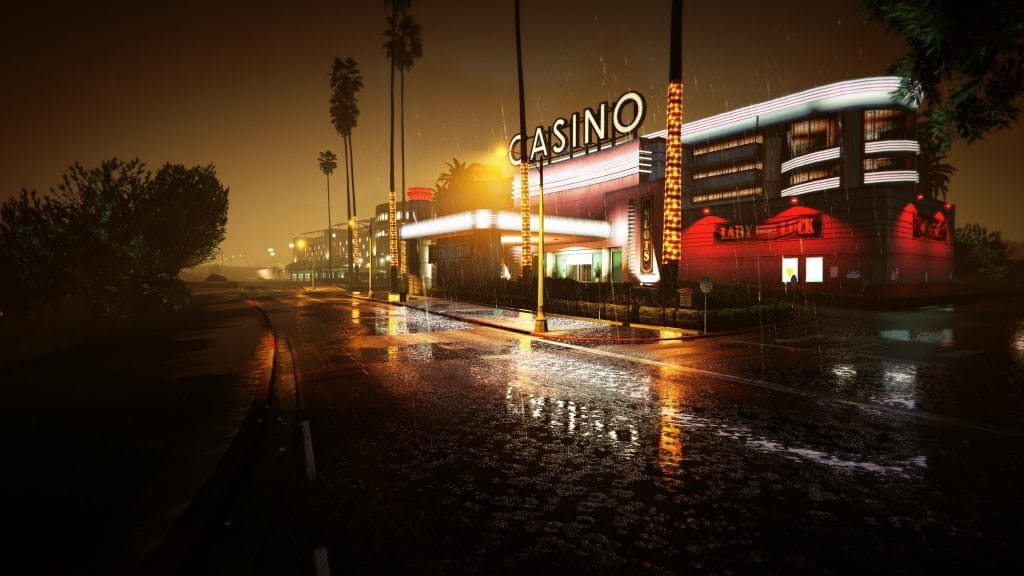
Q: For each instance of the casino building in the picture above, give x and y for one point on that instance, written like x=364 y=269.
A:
x=817 y=188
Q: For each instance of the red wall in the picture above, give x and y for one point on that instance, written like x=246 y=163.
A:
x=901 y=258
x=743 y=262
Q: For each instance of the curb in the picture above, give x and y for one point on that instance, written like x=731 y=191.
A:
x=173 y=553
x=549 y=336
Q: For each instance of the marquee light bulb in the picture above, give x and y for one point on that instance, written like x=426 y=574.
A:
x=673 y=175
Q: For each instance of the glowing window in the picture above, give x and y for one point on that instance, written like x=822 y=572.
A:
x=790 y=269
x=815 y=269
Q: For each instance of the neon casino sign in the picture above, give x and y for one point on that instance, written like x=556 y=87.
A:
x=584 y=129
x=804 y=226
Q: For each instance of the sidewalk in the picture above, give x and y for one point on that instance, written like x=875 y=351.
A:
x=563 y=328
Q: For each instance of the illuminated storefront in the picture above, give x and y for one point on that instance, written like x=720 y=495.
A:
x=817 y=188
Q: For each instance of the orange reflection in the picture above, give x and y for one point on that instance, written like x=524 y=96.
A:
x=670 y=425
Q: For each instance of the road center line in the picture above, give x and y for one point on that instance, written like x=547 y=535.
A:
x=321 y=564
x=307 y=447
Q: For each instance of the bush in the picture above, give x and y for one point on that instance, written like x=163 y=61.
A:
x=645 y=308
x=115 y=234
x=980 y=252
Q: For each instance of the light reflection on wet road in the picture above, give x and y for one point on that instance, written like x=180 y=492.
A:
x=475 y=450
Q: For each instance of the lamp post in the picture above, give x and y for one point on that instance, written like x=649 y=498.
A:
x=369 y=247
x=706 y=286
x=540 y=323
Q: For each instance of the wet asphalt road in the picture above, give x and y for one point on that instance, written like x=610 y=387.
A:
x=852 y=442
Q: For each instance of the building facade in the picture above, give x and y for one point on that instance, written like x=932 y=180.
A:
x=818 y=188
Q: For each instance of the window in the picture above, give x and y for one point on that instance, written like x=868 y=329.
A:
x=790 y=269
x=811 y=135
x=727 y=195
x=726 y=144
x=727 y=170
x=814 y=269
x=887 y=124
x=888 y=163
x=814 y=173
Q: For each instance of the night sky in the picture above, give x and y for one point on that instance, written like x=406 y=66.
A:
x=244 y=86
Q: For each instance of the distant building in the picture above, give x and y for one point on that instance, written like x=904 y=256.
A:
x=370 y=240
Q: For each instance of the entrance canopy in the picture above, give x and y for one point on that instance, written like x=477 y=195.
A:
x=503 y=221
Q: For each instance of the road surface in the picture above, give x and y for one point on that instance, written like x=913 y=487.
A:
x=852 y=442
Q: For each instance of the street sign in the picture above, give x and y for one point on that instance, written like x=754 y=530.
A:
x=706 y=285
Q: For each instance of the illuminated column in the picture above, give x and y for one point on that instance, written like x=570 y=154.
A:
x=524 y=202
x=353 y=227
x=392 y=242
x=673 y=175
x=524 y=159
x=672 y=209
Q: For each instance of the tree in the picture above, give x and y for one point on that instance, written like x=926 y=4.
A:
x=524 y=162
x=980 y=252
x=182 y=216
x=451 y=184
x=672 y=217
x=346 y=82
x=115 y=235
x=404 y=46
x=965 y=61
x=932 y=168
x=328 y=161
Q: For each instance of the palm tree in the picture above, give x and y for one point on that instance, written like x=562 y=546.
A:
x=328 y=162
x=524 y=164
x=933 y=171
x=346 y=82
x=670 y=235
x=451 y=183
x=404 y=46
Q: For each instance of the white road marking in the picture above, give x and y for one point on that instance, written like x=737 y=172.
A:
x=321 y=564
x=307 y=447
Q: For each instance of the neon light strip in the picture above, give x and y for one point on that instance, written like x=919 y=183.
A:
x=622 y=165
x=892 y=146
x=812 y=186
x=890 y=176
x=866 y=92
x=819 y=156
x=506 y=221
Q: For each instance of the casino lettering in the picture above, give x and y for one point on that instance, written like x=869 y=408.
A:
x=585 y=129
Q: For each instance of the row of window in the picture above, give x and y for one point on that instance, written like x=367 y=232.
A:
x=730 y=169
x=811 y=135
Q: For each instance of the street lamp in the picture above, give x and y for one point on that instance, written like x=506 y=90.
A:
x=540 y=323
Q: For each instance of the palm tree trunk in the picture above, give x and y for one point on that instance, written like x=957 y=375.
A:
x=524 y=174
x=349 y=212
x=403 y=247
x=392 y=226
x=672 y=211
x=330 y=239
x=352 y=161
